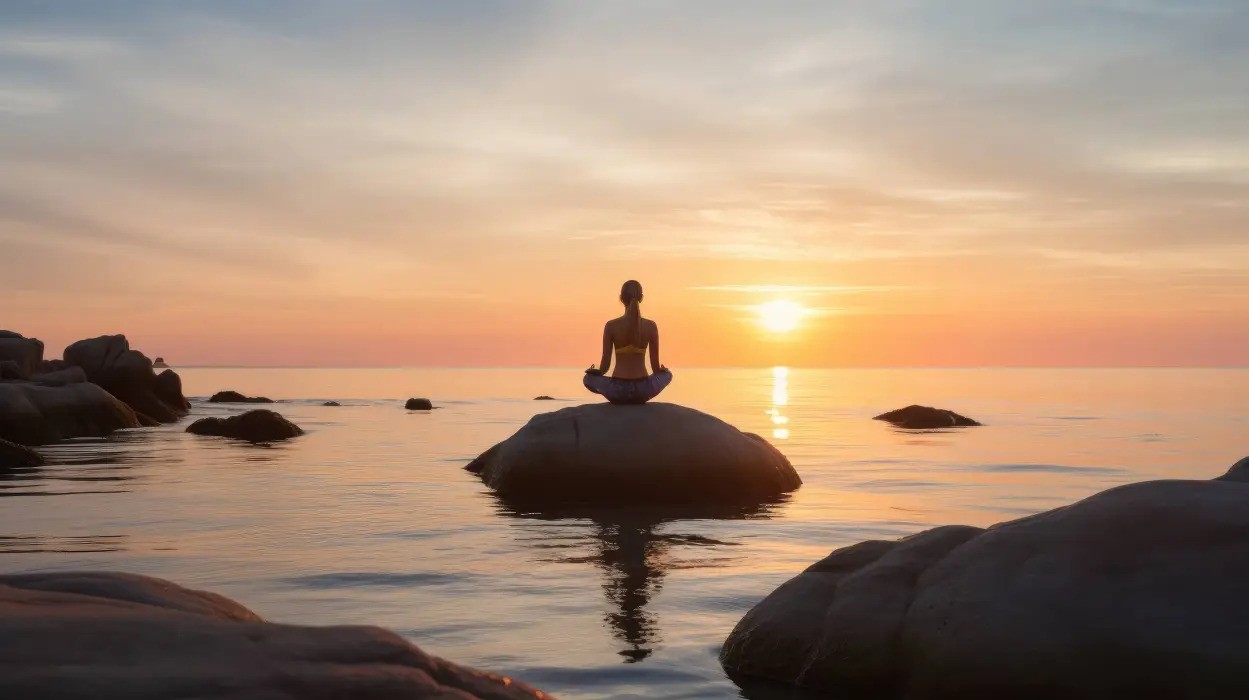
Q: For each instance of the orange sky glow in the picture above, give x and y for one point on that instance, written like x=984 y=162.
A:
x=1020 y=184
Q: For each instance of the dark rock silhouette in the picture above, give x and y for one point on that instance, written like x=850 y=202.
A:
x=641 y=453
x=128 y=375
x=1137 y=591
x=72 y=635
x=159 y=363
x=61 y=377
x=925 y=418
x=419 y=405
x=260 y=425
x=26 y=354
x=10 y=370
x=235 y=397
x=34 y=414
x=15 y=456
x=544 y=397
x=331 y=403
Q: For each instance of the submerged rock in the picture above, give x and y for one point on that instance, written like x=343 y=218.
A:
x=331 y=403
x=1137 y=591
x=33 y=414
x=419 y=405
x=128 y=375
x=544 y=397
x=93 y=634
x=639 y=453
x=260 y=425
x=235 y=397
x=925 y=418
x=15 y=456
x=25 y=354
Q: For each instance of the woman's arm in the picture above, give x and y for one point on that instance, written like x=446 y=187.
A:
x=655 y=366
x=605 y=363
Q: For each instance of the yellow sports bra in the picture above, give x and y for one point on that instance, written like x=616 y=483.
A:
x=630 y=350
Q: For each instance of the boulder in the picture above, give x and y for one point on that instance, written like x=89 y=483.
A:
x=159 y=363
x=61 y=377
x=636 y=453
x=235 y=397
x=127 y=374
x=168 y=389
x=1138 y=591
x=331 y=403
x=34 y=414
x=15 y=456
x=48 y=366
x=71 y=635
x=10 y=370
x=26 y=354
x=419 y=405
x=254 y=426
x=925 y=418
x=544 y=397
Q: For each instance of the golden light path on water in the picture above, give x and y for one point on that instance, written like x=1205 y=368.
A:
x=780 y=399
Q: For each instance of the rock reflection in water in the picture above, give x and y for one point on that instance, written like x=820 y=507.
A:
x=634 y=553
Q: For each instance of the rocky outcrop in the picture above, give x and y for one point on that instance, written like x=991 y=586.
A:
x=254 y=426
x=25 y=354
x=128 y=375
x=925 y=418
x=235 y=397
x=639 y=453
x=544 y=397
x=15 y=456
x=33 y=414
x=419 y=405
x=1137 y=591
x=331 y=403
x=61 y=377
x=67 y=636
x=159 y=363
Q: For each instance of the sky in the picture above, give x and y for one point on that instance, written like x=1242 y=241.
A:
x=965 y=183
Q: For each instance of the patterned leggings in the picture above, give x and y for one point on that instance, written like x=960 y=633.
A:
x=628 y=391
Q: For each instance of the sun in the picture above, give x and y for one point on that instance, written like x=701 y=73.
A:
x=780 y=316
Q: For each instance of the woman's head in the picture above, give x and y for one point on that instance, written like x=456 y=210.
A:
x=630 y=292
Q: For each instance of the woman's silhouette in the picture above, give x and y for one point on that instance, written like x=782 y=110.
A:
x=629 y=337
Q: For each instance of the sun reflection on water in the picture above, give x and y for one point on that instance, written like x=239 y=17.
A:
x=780 y=399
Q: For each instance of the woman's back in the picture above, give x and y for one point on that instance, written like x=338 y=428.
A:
x=630 y=342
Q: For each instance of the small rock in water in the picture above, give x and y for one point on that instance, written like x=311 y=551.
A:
x=331 y=403
x=419 y=405
x=925 y=418
x=260 y=425
x=544 y=397
x=15 y=456
x=235 y=397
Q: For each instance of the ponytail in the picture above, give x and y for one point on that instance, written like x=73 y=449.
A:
x=634 y=315
x=631 y=297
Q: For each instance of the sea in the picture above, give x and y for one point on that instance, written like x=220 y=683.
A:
x=370 y=518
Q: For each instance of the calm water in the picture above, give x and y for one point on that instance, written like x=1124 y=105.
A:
x=370 y=517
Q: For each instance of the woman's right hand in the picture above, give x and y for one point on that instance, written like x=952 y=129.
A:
x=594 y=370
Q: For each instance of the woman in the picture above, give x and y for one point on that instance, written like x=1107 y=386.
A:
x=629 y=336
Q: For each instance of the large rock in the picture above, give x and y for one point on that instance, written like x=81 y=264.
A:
x=1138 y=591
x=15 y=456
x=235 y=397
x=254 y=426
x=419 y=405
x=68 y=636
x=61 y=377
x=925 y=418
x=26 y=354
x=128 y=375
x=34 y=414
x=644 y=453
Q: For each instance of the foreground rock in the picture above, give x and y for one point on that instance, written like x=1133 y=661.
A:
x=15 y=456
x=235 y=397
x=25 y=354
x=1138 y=591
x=94 y=635
x=128 y=375
x=419 y=405
x=34 y=414
x=646 y=453
x=925 y=418
x=254 y=426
